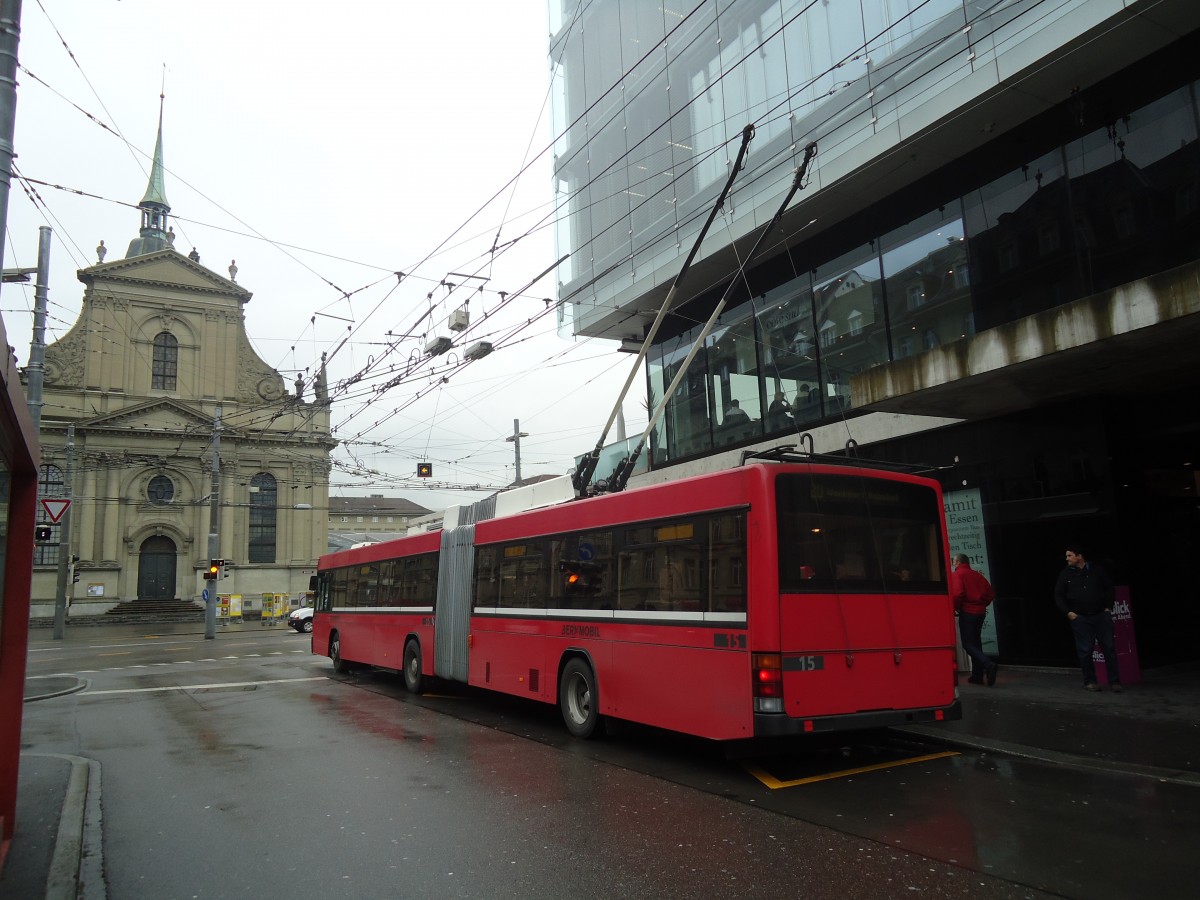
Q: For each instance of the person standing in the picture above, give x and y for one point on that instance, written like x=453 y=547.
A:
x=972 y=595
x=1084 y=594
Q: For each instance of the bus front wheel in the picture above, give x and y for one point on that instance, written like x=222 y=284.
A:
x=340 y=665
x=413 y=679
x=578 y=699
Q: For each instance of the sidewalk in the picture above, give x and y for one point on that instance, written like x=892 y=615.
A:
x=1152 y=730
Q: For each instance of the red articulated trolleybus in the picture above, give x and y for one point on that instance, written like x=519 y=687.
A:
x=775 y=598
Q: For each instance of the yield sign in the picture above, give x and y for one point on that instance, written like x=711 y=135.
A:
x=55 y=508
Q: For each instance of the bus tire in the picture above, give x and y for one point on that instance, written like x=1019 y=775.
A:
x=578 y=699
x=414 y=682
x=340 y=665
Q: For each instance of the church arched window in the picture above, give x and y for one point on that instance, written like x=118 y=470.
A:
x=166 y=362
x=263 y=500
x=51 y=484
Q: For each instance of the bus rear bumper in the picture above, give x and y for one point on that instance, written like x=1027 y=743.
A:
x=778 y=724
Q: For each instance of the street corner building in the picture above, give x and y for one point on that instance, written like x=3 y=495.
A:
x=154 y=387
x=992 y=266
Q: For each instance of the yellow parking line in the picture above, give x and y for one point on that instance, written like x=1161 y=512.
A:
x=774 y=783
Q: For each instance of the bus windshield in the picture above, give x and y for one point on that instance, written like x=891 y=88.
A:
x=858 y=535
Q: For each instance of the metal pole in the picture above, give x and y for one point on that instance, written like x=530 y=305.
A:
x=214 y=537
x=516 y=439
x=64 y=543
x=36 y=369
x=10 y=37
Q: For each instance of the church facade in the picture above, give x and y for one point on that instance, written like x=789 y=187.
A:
x=163 y=426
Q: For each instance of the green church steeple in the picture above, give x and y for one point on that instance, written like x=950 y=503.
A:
x=154 y=234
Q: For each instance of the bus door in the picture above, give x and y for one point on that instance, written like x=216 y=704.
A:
x=866 y=622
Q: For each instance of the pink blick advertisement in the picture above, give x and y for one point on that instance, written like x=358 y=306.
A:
x=1124 y=640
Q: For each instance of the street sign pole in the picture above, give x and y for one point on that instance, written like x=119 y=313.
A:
x=214 y=521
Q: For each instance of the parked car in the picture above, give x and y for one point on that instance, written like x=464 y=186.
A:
x=301 y=619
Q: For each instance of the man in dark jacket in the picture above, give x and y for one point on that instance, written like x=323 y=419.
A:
x=1084 y=594
x=972 y=594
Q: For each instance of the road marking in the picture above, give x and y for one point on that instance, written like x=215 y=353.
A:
x=775 y=784
x=123 y=653
x=196 y=687
x=177 y=662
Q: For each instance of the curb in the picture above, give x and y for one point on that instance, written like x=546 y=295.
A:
x=76 y=865
x=79 y=685
x=1071 y=760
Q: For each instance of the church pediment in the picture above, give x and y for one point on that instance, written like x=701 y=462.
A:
x=163 y=267
x=153 y=416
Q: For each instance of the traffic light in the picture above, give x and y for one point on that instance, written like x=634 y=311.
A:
x=74 y=569
x=424 y=470
x=581 y=577
x=214 y=569
x=42 y=533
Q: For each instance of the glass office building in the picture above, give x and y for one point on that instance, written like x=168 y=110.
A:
x=994 y=181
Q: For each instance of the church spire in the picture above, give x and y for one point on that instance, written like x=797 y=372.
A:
x=154 y=234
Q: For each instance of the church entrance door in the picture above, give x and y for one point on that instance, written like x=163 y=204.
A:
x=156 y=569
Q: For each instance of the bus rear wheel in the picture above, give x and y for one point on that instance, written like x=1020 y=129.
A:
x=413 y=680
x=578 y=699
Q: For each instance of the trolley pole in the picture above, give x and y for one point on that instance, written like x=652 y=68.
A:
x=214 y=537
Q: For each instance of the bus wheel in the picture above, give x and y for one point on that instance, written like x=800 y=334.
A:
x=412 y=667
x=578 y=700
x=340 y=665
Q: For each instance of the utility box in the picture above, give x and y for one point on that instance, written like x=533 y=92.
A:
x=438 y=346
x=459 y=319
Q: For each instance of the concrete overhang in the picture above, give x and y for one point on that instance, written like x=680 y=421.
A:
x=1127 y=343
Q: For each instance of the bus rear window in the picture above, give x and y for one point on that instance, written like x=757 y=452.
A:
x=852 y=534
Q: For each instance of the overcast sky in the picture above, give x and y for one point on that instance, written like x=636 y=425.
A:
x=326 y=146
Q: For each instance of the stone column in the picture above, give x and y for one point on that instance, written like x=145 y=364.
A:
x=112 y=525
x=87 y=503
x=229 y=512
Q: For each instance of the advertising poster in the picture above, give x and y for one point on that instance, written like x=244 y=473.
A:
x=964 y=526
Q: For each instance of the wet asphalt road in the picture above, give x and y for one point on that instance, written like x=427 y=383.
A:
x=242 y=766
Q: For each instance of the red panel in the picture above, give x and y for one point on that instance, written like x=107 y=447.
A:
x=374 y=639
x=857 y=682
x=686 y=685
x=862 y=652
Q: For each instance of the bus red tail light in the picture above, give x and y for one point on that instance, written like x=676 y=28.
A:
x=767 y=676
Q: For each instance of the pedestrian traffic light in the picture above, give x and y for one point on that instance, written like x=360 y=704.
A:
x=424 y=470
x=42 y=532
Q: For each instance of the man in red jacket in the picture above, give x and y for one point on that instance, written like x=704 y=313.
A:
x=972 y=596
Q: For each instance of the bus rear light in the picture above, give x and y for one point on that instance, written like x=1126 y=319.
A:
x=767 y=681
